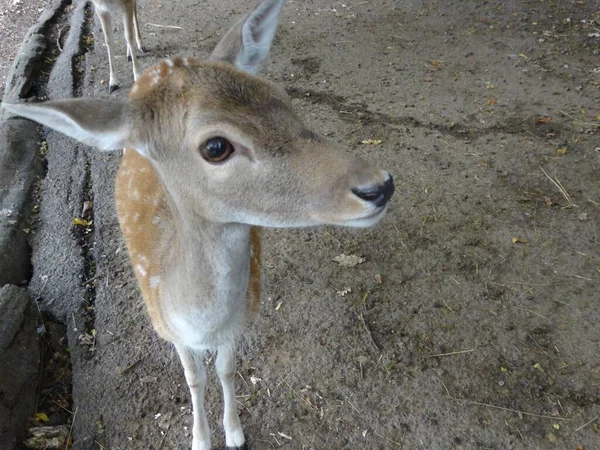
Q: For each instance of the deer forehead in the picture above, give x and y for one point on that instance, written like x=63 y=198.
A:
x=209 y=86
x=185 y=93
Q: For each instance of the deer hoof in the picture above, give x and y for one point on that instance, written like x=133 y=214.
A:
x=243 y=447
x=112 y=88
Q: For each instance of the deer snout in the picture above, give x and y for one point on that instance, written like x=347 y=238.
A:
x=378 y=194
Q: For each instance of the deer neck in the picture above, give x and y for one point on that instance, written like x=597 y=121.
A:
x=216 y=254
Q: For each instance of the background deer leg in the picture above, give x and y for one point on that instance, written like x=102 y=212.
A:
x=136 y=26
x=129 y=32
x=106 y=22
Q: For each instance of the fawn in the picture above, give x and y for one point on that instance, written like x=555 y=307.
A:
x=128 y=8
x=213 y=152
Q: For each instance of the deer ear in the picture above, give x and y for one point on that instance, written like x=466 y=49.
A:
x=247 y=44
x=104 y=124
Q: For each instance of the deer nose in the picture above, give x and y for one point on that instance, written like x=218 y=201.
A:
x=378 y=194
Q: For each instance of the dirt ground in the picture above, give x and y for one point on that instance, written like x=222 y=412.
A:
x=472 y=322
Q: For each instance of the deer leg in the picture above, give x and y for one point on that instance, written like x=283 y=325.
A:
x=195 y=376
x=225 y=365
x=128 y=26
x=106 y=22
x=138 y=36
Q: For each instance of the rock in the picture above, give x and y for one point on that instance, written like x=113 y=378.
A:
x=19 y=168
x=25 y=67
x=21 y=77
x=20 y=357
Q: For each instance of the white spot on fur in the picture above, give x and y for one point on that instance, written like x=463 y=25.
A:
x=155 y=79
x=169 y=62
x=136 y=194
x=136 y=217
x=154 y=281
x=156 y=220
x=139 y=268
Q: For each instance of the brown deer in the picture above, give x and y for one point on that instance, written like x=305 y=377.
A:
x=128 y=9
x=212 y=153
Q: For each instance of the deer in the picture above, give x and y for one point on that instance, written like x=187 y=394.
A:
x=128 y=9
x=213 y=154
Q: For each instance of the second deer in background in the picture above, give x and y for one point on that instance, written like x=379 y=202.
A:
x=128 y=9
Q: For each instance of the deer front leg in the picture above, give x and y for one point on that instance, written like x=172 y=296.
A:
x=195 y=376
x=106 y=22
x=225 y=365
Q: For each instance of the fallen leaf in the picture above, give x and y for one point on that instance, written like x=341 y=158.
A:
x=377 y=279
x=345 y=260
x=428 y=79
x=87 y=206
x=516 y=240
x=49 y=437
x=544 y=119
x=81 y=222
x=556 y=426
x=548 y=201
x=583 y=216
x=148 y=379
x=62 y=402
x=278 y=306
x=435 y=62
x=344 y=292
x=86 y=339
x=254 y=379
x=41 y=417
x=491 y=101
x=371 y=141
x=561 y=151
x=538 y=367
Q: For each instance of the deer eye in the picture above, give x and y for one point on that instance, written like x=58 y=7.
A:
x=216 y=149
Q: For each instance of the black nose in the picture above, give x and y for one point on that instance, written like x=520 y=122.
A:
x=379 y=194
